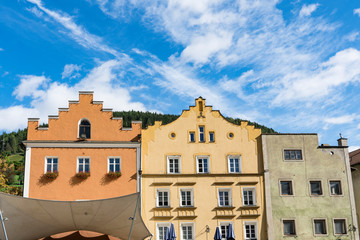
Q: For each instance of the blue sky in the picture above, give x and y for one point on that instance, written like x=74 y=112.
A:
x=290 y=65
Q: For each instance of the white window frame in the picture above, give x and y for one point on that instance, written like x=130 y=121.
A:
x=108 y=170
x=197 y=163
x=52 y=163
x=77 y=165
x=192 y=133
x=326 y=227
x=256 y=229
x=157 y=197
x=321 y=187
x=168 y=163
x=292 y=188
x=229 y=190
x=341 y=188
x=191 y=196
x=203 y=133
x=226 y=224
x=288 y=219
x=240 y=163
x=340 y=234
x=163 y=224
x=186 y=224
x=253 y=190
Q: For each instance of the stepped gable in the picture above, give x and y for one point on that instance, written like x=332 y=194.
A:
x=65 y=125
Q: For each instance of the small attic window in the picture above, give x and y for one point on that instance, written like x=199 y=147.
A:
x=84 y=129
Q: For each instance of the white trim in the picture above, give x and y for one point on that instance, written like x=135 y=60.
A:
x=192 y=229
x=87 y=144
x=253 y=189
x=168 y=165
x=191 y=197
x=77 y=163
x=240 y=163
x=203 y=132
x=108 y=163
x=157 y=196
x=225 y=223
x=27 y=172
x=161 y=224
x=256 y=229
x=208 y=163
x=229 y=190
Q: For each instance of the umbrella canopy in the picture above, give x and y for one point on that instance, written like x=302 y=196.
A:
x=172 y=232
x=217 y=235
x=230 y=233
x=29 y=218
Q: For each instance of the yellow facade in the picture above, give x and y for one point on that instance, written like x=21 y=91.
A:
x=199 y=185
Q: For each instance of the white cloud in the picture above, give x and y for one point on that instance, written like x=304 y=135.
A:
x=307 y=10
x=340 y=120
x=353 y=148
x=357 y=11
x=78 y=33
x=71 y=71
x=29 y=86
x=47 y=96
x=352 y=36
x=35 y=11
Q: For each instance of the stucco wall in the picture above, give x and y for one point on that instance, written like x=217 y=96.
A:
x=322 y=164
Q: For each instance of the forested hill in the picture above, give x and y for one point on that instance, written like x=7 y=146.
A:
x=11 y=142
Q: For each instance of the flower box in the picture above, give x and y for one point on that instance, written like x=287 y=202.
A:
x=83 y=175
x=113 y=175
x=51 y=175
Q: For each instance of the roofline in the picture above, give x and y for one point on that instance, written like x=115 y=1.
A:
x=289 y=134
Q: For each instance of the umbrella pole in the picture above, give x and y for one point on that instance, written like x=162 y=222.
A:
x=3 y=225
x=133 y=217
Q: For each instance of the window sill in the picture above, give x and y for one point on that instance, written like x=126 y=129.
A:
x=186 y=208
x=162 y=208
x=225 y=208
x=249 y=206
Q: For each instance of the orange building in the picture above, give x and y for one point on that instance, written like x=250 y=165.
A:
x=84 y=154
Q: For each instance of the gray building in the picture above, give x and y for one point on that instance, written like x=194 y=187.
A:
x=308 y=188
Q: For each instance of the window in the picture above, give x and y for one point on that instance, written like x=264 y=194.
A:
x=211 y=136
x=114 y=164
x=234 y=164
x=289 y=227
x=249 y=196
x=202 y=164
x=320 y=227
x=83 y=164
x=286 y=188
x=51 y=164
x=224 y=197
x=187 y=231
x=191 y=136
x=173 y=164
x=335 y=188
x=186 y=197
x=163 y=198
x=250 y=231
x=161 y=230
x=201 y=134
x=340 y=226
x=84 y=129
x=224 y=226
x=315 y=188
x=292 y=154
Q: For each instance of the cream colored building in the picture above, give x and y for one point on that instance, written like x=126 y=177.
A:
x=200 y=172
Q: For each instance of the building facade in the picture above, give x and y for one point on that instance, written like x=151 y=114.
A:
x=200 y=172
x=308 y=188
x=355 y=173
x=83 y=154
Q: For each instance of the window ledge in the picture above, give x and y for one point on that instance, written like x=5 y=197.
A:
x=224 y=208
x=249 y=206
x=162 y=208
x=186 y=208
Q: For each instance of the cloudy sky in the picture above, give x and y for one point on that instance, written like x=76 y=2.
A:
x=290 y=65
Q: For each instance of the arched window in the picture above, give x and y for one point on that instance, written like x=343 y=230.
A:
x=84 y=129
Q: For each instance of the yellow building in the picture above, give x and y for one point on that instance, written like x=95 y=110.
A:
x=200 y=172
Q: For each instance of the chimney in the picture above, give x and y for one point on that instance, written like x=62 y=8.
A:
x=342 y=142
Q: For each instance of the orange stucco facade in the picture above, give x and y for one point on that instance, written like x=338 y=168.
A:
x=61 y=140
